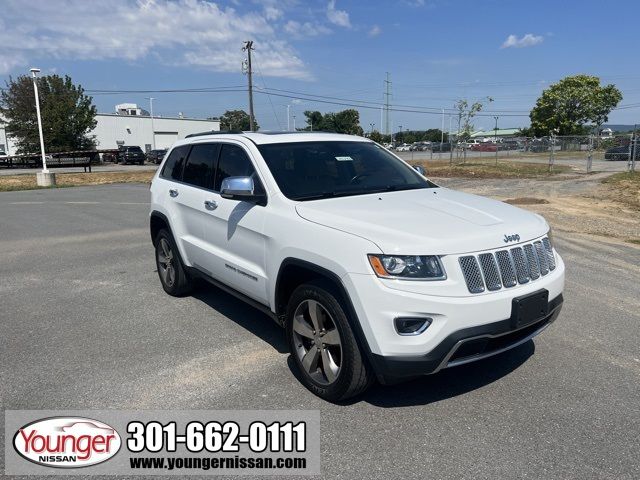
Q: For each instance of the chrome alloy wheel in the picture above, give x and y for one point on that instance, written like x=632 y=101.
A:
x=317 y=342
x=166 y=262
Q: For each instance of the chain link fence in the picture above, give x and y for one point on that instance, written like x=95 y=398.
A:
x=579 y=150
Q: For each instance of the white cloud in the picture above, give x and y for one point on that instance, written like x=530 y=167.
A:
x=375 y=31
x=306 y=29
x=337 y=17
x=177 y=32
x=272 y=13
x=528 y=40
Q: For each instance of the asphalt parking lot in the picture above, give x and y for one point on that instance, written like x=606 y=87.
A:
x=86 y=325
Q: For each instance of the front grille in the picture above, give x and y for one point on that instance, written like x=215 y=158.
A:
x=508 y=268
x=472 y=274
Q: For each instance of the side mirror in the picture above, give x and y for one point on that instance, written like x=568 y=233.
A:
x=420 y=169
x=240 y=188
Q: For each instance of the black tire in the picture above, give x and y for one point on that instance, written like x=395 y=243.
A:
x=179 y=283
x=354 y=375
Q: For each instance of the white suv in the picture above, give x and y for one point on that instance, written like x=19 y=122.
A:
x=373 y=270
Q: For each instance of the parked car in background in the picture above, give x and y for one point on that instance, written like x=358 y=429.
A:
x=440 y=147
x=484 y=147
x=510 y=145
x=622 y=152
x=130 y=154
x=156 y=156
x=405 y=147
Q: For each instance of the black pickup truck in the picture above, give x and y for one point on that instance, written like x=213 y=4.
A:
x=130 y=155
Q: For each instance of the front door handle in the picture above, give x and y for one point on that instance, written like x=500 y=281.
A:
x=173 y=192
x=210 y=204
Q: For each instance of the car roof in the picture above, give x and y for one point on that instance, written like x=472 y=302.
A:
x=262 y=138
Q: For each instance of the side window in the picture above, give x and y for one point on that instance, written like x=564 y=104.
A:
x=234 y=162
x=200 y=165
x=172 y=169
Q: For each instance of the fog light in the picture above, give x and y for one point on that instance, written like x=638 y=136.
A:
x=411 y=326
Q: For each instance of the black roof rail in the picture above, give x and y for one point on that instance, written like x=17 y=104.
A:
x=212 y=132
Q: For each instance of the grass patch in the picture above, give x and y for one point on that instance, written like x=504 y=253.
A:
x=625 y=188
x=475 y=169
x=635 y=241
x=28 y=181
x=526 y=201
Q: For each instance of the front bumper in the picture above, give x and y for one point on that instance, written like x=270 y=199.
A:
x=463 y=346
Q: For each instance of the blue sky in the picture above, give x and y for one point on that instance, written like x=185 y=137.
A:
x=436 y=51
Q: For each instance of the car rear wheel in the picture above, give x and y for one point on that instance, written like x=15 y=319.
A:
x=173 y=277
x=325 y=353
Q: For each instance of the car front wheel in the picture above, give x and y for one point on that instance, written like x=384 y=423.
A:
x=173 y=277
x=324 y=350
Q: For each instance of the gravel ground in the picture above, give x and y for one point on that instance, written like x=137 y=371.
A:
x=574 y=204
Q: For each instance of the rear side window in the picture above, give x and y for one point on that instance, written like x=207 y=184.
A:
x=200 y=165
x=234 y=162
x=172 y=169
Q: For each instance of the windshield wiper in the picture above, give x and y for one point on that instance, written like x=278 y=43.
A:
x=315 y=196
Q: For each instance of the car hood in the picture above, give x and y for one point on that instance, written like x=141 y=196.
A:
x=434 y=221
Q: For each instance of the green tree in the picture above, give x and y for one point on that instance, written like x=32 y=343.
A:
x=376 y=136
x=346 y=121
x=567 y=106
x=236 y=120
x=68 y=115
x=466 y=112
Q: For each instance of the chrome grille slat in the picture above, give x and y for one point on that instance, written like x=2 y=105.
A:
x=534 y=268
x=542 y=258
x=506 y=268
x=522 y=265
x=472 y=275
x=490 y=271
x=549 y=249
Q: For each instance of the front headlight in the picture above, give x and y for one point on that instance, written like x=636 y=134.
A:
x=411 y=267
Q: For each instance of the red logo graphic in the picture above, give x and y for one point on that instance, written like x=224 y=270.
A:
x=67 y=442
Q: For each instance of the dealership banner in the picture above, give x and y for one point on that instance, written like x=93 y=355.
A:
x=164 y=442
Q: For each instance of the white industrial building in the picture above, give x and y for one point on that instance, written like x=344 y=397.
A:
x=131 y=125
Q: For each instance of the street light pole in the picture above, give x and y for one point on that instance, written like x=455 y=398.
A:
x=34 y=72
x=371 y=125
x=153 y=131
x=495 y=138
x=288 y=118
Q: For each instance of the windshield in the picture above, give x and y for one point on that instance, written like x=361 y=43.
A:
x=312 y=170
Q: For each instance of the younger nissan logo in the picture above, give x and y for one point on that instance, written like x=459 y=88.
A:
x=67 y=442
x=512 y=238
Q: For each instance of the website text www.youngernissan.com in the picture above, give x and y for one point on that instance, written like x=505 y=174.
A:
x=196 y=442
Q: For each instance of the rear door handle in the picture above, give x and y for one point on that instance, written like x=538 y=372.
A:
x=210 y=204
x=173 y=192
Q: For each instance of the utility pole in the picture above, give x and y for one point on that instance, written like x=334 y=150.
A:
x=495 y=138
x=248 y=46
x=634 y=139
x=387 y=98
x=441 y=132
x=153 y=132
x=294 y=123
x=288 y=118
